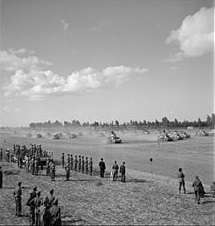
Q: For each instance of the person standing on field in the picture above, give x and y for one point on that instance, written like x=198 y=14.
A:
x=181 y=177
x=115 y=169
x=86 y=166
x=71 y=162
x=91 y=166
x=18 y=199
x=82 y=164
x=1 y=178
x=76 y=163
x=198 y=189
x=102 y=167
x=31 y=204
x=62 y=160
x=79 y=163
x=122 y=171
x=67 y=168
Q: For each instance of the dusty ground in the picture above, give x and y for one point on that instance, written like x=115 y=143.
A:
x=91 y=200
x=194 y=155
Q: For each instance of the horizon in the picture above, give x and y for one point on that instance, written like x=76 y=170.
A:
x=108 y=122
x=105 y=60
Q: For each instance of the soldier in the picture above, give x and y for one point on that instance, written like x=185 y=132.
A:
x=1 y=154
x=48 y=203
x=76 y=162
x=55 y=214
x=181 y=180
x=49 y=199
x=18 y=199
x=67 y=168
x=8 y=154
x=14 y=148
x=62 y=160
x=1 y=177
x=82 y=164
x=86 y=166
x=68 y=160
x=38 y=204
x=79 y=163
x=198 y=189
x=102 y=167
x=122 y=171
x=47 y=167
x=115 y=169
x=53 y=171
x=31 y=204
x=71 y=162
x=91 y=166
x=40 y=150
x=36 y=166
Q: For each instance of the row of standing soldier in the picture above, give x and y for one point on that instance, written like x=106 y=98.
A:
x=78 y=163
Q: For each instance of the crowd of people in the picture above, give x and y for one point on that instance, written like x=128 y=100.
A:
x=77 y=163
x=27 y=157
x=114 y=174
x=43 y=211
x=84 y=164
x=198 y=187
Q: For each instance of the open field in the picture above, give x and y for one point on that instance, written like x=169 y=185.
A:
x=150 y=195
x=91 y=200
x=194 y=155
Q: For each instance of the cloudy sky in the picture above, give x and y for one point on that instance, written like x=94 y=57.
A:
x=105 y=60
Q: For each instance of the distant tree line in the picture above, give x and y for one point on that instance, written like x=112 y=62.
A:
x=164 y=123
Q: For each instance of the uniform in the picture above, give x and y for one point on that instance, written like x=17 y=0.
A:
x=198 y=189
x=18 y=200
x=115 y=169
x=68 y=160
x=38 y=203
x=181 y=181
x=86 y=166
x=122 y=171
x=1 y=178
x=31 y=204
x=102 y=168
x=67 y=172
x=79 y=163
x=71 y=162
x=53 y=172
x=82 y=164
x=91 y=167
x=55 y=215
x=62 y=161
x=76 y=163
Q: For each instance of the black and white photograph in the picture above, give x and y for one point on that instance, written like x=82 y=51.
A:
x=107 y=112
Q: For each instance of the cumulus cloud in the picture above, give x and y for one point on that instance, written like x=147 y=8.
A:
x=195 y=36
x=30 y=78
x=11 y=61
x=65 y=25
x=21 y=51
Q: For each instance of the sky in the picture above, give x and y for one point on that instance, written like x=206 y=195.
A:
x=104 y=60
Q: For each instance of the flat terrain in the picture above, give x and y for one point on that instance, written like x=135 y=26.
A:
x=91 y=200
x=194 y=155
x=150 y=195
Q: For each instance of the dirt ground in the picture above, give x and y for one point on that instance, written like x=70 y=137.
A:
x=94 y=201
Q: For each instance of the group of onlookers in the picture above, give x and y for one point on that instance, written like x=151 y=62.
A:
x=43 y=211
x=114 y=174
x=197 y=186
